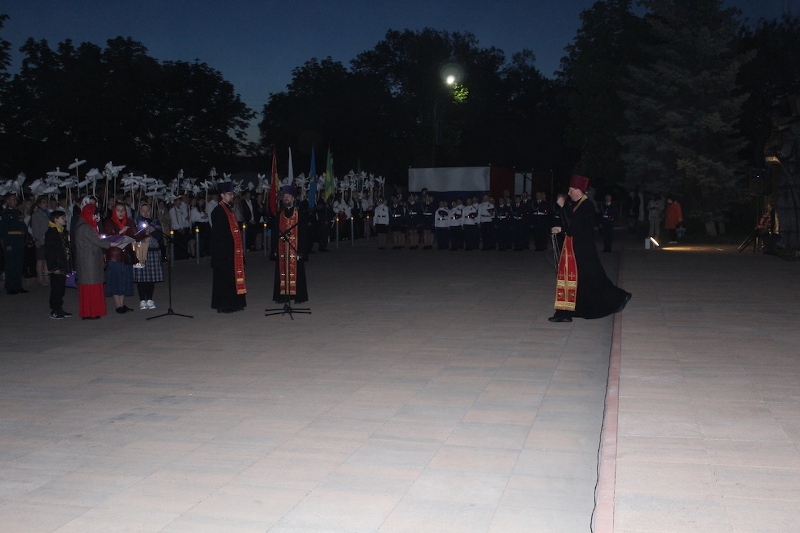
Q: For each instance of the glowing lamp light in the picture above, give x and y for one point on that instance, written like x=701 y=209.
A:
x=102 y=235
x=450 y=79
x=244 y=226
x=197 y=230
x=172 y=232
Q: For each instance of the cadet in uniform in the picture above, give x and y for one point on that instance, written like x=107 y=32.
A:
x=486 y=220
x=442 y=226
x=457 y=226
x=470 y=218
x=541 y=215
x=414 y=214
x=397 y=223
x=503 y=225
x=519 y=224
x=428 y=221
x=381 y=222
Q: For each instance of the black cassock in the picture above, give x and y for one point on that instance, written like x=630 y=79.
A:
x=292 y=227
x=223 y=293
x=597 y=296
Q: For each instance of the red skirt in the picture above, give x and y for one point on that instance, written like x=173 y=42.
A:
x=91 y=300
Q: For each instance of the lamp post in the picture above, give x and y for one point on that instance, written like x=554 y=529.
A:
x=451 y=74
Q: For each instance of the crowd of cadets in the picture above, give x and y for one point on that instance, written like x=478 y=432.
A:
x=417 y=222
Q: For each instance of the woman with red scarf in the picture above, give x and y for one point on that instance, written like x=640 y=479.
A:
x=89 y=264
x=119 y=276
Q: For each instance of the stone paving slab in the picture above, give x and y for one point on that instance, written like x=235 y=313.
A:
x=426 y=392
x=709 y=406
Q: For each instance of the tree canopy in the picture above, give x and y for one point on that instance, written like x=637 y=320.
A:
x=393 y=108
x=682 y=107
x=117 y=103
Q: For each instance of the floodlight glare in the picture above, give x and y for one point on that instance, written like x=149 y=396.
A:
x=451 y=73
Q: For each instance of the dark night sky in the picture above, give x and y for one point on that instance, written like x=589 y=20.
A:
x=256 y=44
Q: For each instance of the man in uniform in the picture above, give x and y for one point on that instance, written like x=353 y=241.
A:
x=471 y=234
x=608 y=214
x=527 y=209
x=442 y=223
x=13 y=233
x=519 y=224
x=457 y=226
x=414 y=213
x=503 y=225
x=541 y=222
x=486 y=220
x=428 y=220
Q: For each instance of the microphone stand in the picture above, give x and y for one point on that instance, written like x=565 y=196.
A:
x=170 y=312
x=287 y=307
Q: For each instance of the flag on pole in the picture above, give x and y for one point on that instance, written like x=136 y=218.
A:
x=329 y=188
x=312 y=176
x=273 y=188
x=291 y=168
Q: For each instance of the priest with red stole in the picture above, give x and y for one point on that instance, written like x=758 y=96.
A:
x=290 y=273
x=582 y=286
x=227 y=255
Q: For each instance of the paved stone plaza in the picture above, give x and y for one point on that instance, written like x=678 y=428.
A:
x=427 y=392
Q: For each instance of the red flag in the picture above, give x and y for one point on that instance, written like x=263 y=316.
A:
x=273 y=188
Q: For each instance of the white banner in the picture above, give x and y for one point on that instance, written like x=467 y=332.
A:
x=448 y=179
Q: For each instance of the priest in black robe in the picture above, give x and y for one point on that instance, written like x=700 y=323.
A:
x=290 y=272
x=227 y=255
x=582 y=288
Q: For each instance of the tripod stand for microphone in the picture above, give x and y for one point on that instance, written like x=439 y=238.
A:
x=170 y=312
x=290 y=247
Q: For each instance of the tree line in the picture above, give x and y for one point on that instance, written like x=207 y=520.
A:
x=681 y=98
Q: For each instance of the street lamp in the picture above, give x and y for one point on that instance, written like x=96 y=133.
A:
x=451 y=74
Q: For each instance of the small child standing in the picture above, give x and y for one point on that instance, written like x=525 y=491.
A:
x=56 y=242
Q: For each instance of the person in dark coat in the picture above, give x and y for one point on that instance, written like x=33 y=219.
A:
x=56 y=248
x=227 y=255
x=290 y=272
x=541 y=215
x=608 y=217
x=582 y=287
x=502 y=225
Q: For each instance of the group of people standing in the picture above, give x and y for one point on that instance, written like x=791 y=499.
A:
x=465 y=224
x=289 y=229
x=77 y=246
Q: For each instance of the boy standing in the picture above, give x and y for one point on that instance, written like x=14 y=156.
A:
x=56 y=243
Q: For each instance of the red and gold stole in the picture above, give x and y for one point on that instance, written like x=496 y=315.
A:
x=567 y=280
x=287 y=248
x=238 y=250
